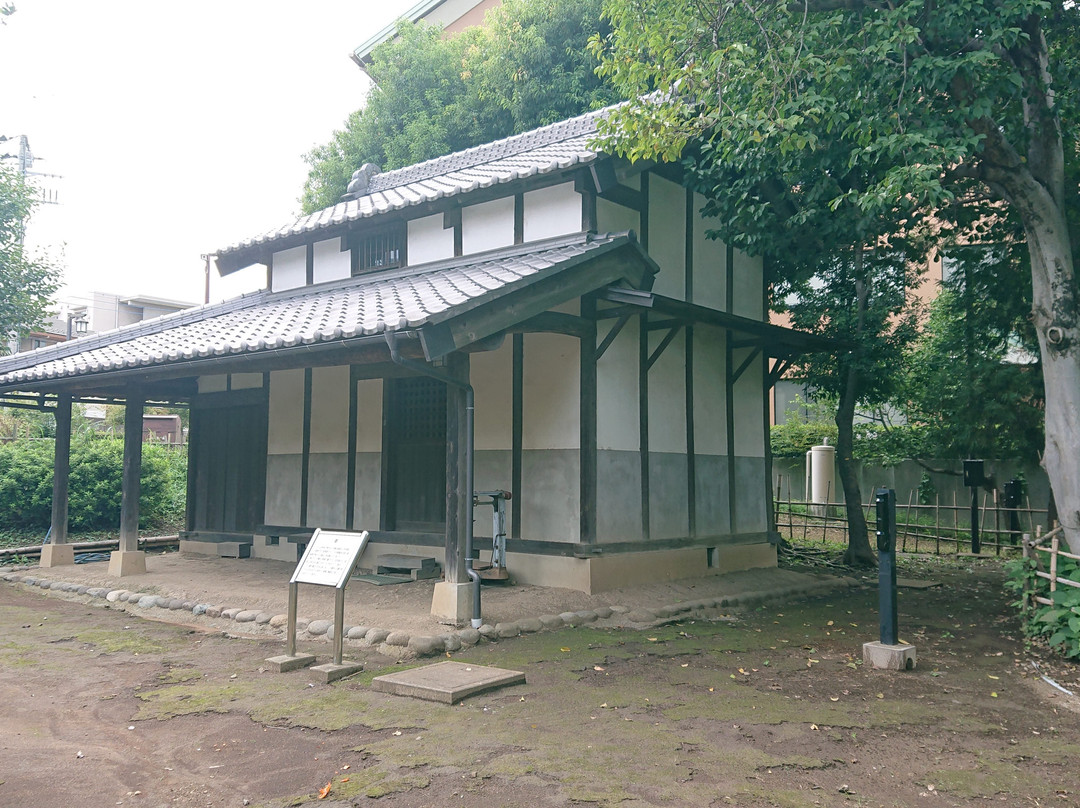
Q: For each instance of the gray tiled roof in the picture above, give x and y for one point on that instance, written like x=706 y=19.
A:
x=342 y=310
x=541 y=151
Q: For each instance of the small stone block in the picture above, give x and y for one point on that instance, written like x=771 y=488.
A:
x=331 y=672
x=285 y=663
x=889 y=657
x=57 y=555
x=452 y=603
x=234 y=549
x=401 y=561
x=446 y=682
x=127 y=562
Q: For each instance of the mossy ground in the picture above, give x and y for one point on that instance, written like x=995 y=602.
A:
x=774 y=708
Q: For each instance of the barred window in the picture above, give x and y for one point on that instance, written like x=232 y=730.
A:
x=382 y=250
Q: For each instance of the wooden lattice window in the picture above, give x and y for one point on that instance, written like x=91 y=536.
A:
x=384 y=249
x=417 y=462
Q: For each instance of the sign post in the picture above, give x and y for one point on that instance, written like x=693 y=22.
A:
x=329 y=560
x=888 y=652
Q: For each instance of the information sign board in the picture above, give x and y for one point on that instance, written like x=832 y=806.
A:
x=329 y=558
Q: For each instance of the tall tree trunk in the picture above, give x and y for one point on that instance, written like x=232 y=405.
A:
x=858 y=553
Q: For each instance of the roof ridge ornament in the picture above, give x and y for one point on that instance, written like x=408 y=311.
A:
x=361 y=181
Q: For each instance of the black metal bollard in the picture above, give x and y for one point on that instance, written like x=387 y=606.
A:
x=974 y=476
x=885 y=499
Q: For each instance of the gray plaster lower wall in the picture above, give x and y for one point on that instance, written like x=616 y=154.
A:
x=550 y=495
x=367 y=509
x=283 y=489
x=327 y=480
x=618 y=516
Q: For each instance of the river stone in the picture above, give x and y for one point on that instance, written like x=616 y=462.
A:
x=666 y=611
x=619 y=609
x=174 y=604
x=551 y=621
x=213 y=611
x=231 y=612
x=302 y=623
x=330 y=632
x=399 y=639
x=469 y=636
x=640 y=616
x=97 y=591
x=507 y=630
x=357 y=632
x=426 y=646
x=188 y=605
x=376 y=636
x=147 y=602
x=114 y=595
x=604 y=612
x=279 y=621
x=82 y=590
x=530 y=625
x=451 y=642
x=586 y=616
x=487 y=630
x=570 y=618
x=246 y=616
x=199 y=608
x=262 y=618
x=318 y=627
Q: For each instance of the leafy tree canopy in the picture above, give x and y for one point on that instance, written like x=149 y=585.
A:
x=526 y=67
x=26 y=281
x=837 y=122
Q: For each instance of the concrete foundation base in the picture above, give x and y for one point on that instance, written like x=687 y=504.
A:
x=331 y=673
x=127 y=562
x=452 y=603
x=57 y=555
x=285 y=663
x=889 y=657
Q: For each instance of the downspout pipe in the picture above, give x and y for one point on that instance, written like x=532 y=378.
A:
x=470 y=437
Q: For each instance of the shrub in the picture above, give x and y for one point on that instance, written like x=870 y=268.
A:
x=1058 y=624
x=26 y=479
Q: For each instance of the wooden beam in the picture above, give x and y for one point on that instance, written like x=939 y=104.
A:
x=305 y=448
x=666 y=341
x=587 y=426
x=746 y=363
x=350 y=459
x=643 y=423
x=611 y=335
x=458 y=497
x=131 y=473
x=517 y=423
x=61 y=470
x=691 y=458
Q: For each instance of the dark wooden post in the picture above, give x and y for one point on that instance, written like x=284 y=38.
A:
x=129 y=560
x=458 y=497
x=58 y=551
x=588 y=426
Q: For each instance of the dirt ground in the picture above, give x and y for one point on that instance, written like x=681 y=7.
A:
x=770 y=707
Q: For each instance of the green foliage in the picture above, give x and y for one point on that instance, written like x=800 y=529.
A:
x=26 y=478
x=1058 y=624
x=26 y=281
x=526 y=67
x=972 y=379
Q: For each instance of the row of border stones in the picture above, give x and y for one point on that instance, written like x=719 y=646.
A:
x=402 y=644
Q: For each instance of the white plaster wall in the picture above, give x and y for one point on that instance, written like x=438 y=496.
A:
x=329 y=410
x=330 y=262
x=749 y=301
x=487 y=226
x=667 y=239
x=710 y=425
x=710 y=263
x=288 y=269
x=369 y=415
x=667 y=396
x=617 y=389
x=245 y=381
x=550 y=212
x=749 y=430
x=429 y=241
x=285 y=434
x=492 y=375
x=612 y=218
x=551 y=384
x=213 y=384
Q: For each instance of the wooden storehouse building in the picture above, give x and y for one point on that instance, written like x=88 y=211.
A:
x=615 y=360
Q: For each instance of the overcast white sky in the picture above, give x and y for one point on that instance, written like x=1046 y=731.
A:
x=178 y=128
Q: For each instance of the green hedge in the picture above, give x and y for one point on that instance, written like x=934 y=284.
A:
x=1058 y=625
x=26 y=478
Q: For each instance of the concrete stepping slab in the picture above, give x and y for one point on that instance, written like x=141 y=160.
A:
x=915 y=583
x=446 y=682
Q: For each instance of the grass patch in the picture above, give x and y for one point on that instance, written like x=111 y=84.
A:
x=188 y=699
x=127 y=641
